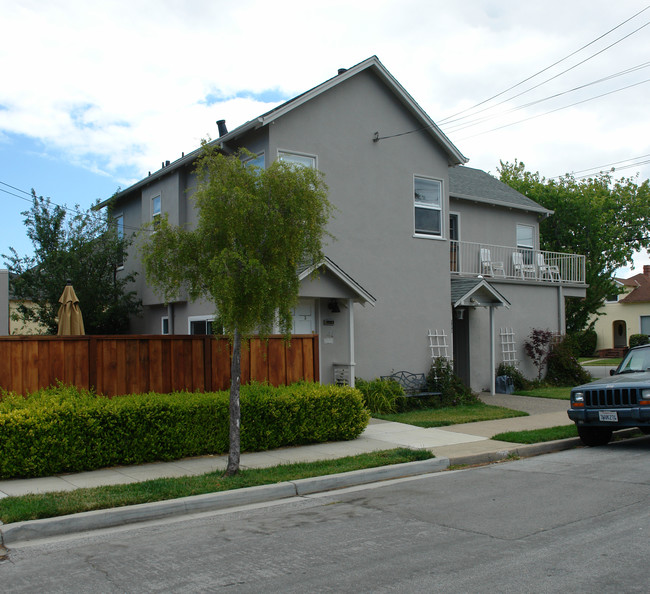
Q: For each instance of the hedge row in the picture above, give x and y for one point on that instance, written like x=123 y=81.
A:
x=63 y=429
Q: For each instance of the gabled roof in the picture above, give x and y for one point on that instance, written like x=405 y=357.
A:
x=468 y=183
x=475 y=292
x=361 y=295
x=641 y=292
x=372 y=64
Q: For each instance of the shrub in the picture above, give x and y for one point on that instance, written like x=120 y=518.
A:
x=518 y=379
x=381 y=396
x=563 y=367
x=587 y=340
x=64 y=429
x=538 y=347
x=441 y=378
x=638 y=339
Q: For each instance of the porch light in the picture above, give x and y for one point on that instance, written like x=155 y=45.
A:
x=333 y=306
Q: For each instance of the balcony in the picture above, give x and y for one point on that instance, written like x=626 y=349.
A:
x=498 y=261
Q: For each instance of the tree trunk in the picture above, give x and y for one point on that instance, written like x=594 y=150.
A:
x=235 y=410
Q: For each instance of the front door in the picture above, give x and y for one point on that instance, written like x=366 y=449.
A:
x=620 y=334
x=461 y=344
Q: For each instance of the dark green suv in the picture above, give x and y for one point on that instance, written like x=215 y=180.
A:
x=622 y=400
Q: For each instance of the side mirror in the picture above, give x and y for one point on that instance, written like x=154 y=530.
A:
x=612 y=371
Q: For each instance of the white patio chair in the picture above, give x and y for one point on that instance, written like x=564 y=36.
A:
x=549 y=270
x=488 y=267
x=521 y=269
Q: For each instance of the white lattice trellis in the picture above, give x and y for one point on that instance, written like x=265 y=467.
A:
x=508 y=346
x=438 y=344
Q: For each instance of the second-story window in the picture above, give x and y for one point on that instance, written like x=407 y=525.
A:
x=428 y=206
x=155 y=211
x=297 y=159
x=526 y=242
x=256 y=161
x=119 y=226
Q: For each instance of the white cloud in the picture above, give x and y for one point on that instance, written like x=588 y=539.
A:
x=121 y=86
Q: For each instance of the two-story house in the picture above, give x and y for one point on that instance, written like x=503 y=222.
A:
x=430 y=258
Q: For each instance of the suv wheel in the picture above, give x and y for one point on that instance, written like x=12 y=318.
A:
x=594 y=436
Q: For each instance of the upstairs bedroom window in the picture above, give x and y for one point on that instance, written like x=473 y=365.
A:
x=297 y=159
x=155 y=211
x=428 y=206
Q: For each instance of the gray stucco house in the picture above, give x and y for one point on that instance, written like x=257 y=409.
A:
x=431 y=258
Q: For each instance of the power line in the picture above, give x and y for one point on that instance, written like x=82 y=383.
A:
x=558 y=109
x=555 y=96
x=67 y=209
x=552 y=65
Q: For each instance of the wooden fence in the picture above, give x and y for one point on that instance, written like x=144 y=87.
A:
x=115 y=365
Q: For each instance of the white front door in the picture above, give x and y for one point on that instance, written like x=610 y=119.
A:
x=303 y=317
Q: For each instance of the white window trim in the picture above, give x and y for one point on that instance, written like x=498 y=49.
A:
x=443 y=224
x=155 y=215
x=458 y=217
x=298 y=154
x=117 y=216
x=525 y=247
x=190 y=319
x=257 y=156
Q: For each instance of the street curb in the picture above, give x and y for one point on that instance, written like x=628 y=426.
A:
x=527 y=451
x=518 y=450
x=120 y=516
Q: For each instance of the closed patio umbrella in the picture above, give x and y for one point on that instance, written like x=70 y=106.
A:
x=70 y=319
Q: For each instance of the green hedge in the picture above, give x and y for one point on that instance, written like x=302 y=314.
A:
x=64 y=429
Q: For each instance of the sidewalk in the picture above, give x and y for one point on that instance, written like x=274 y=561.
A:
x=468 y=443
x=454 y=442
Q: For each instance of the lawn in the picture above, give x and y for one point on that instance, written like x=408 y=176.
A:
x=451 y=415
x=559 y=393
x=587 y=361
x=47 y=505
x=538 y=435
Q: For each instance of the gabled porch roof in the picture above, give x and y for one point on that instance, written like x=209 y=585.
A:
x=474 y=292
x=358 y=293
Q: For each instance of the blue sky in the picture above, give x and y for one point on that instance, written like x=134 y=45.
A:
x=95 y=95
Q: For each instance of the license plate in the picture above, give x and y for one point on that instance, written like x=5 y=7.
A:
x=608 y=415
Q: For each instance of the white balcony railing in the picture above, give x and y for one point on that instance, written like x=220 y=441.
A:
x=500 y=261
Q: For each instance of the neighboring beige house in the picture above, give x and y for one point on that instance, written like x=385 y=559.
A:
x=625 y=314
x=9 y=318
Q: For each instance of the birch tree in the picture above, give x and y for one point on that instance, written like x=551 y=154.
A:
x=255 y=227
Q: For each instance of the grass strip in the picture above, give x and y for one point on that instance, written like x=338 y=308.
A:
x=598 y=362
x=538 y=435
x=452 y=415
x=60 y=503
x=558 y=393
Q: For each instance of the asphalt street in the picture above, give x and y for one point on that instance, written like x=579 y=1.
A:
x=571 y=521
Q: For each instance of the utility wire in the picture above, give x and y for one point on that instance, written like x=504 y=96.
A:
x=67 y=209
x=463 y=126
x=551 y=66
x=539 y=115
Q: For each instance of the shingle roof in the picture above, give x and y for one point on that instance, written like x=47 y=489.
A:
x=474 y=184
x=641 y=293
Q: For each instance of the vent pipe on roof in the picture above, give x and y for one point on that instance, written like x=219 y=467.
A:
x=342 y=70
x=167 y=163
x=223 y=130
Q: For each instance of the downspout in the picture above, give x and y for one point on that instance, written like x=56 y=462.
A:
x=492 y=356
x=561 y=310
x=351 y=335
x=170 y=318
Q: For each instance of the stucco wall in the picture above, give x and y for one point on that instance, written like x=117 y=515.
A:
x=630 y=313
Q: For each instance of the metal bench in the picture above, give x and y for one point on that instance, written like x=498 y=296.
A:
x=413 y=384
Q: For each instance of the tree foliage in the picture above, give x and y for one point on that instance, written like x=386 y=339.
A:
x=83 y=247
x=254 y=228
x=606 y=220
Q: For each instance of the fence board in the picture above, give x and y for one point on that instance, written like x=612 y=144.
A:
x=115 y=365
